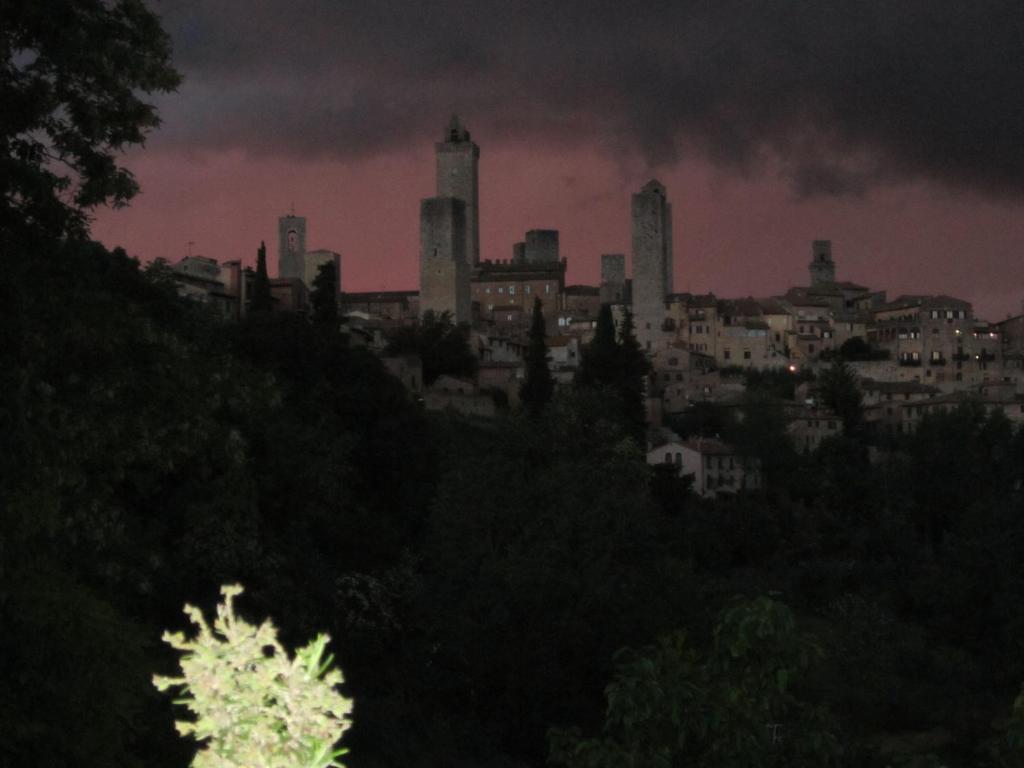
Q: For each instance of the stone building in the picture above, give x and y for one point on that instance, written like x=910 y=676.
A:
x=444 y=273
x=458 y=161
x=715 y=465
x=499 y=285
x=291 y=247
x=652 y=262
x=387 y=305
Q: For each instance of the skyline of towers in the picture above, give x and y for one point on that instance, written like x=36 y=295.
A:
x=652 y=260
x=458 y=159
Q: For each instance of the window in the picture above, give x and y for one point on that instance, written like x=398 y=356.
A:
x=810 y=349
x=511 y=290
x=746 y=354
x=547 y=287
x=831 y=425
x=527 y=288
x=679 y=459
x=501 y=289
x=726 y=354
x=668 y=457
x=487 y=290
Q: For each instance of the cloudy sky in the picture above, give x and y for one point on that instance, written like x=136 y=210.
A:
x=895 y=128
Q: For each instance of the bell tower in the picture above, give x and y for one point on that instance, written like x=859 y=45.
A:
x=458 y=160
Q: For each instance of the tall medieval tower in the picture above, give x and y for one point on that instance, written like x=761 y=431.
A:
x=652 y=261
x=823 y=269
x=291 y=246
x=444 y=273
x=457 y=176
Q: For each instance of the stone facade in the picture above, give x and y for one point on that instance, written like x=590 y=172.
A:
x=291 y=247
x=822 y=268
x=500 y=285
x=652 y=261
x=444 y=273
x=458 y=176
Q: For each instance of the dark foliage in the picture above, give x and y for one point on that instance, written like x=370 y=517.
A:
x=538 y=385
x=71 y=72
x=442 y=345
x=324 y=296
x=261 y=301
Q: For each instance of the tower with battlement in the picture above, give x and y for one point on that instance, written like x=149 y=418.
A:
x=444 y=271
x=458 y=159
x=822 y=268
x=291 y=246
x=652 y=261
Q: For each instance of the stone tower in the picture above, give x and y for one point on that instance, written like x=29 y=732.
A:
x=291 y=246
x=541 y=246
x=823 y=269
x=652 y=261
x=613 y=278
x=457 y=176
x=444 y=272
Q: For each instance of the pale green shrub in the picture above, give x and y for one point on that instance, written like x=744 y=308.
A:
x=254 y=707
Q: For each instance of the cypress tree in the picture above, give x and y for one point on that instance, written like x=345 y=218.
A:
x=538 y=385
x=633 y=366
x=324 y=297
x=599 y=358
x=261 y=299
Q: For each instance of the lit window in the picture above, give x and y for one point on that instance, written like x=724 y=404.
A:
x=547 y=287
x=501 y=289
x=511 y=290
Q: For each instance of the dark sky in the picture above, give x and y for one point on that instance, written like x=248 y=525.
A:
x=896 y=129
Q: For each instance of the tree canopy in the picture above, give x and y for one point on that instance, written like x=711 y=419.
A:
x=71 y=75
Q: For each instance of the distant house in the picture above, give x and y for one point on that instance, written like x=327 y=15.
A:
x=715 y=465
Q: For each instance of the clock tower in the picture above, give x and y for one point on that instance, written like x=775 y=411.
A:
x=291 y=248
x=457 y=176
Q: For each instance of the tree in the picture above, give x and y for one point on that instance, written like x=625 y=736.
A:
x=325 y=295
x=538 y=385
x=70 y=81
x=840 y=392
x=669 y=705
x=598 y=360
x=261 y=301
x=442 y=345
x=633 y=367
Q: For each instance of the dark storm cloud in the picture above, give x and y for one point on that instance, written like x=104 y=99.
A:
x=840 y=94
